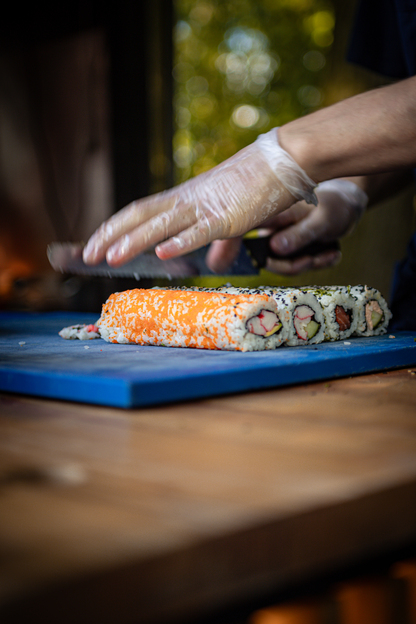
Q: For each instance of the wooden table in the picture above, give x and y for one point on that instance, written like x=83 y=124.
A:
x=166 y=513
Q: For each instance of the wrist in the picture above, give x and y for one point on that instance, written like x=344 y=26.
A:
x=299 y=143
x=285 y=168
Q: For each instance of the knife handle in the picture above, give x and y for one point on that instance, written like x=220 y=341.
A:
x=259 y=250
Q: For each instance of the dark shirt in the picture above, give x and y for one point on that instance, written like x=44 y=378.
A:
x=384 y=40
x=384 y=37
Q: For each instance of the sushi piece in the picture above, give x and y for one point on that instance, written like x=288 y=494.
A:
x=373 y=312
x=80 y=332
x=187 y=318
x=339 y=309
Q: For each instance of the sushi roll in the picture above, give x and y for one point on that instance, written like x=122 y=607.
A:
x=187 y=318
x=339 y=309
x=373 y=312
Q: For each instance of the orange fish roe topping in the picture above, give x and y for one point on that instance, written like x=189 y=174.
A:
x=203 y=320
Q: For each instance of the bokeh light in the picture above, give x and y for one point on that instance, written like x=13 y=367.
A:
x=242 y=67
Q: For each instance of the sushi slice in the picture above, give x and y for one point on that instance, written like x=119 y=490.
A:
x=339 y=309
x=373 y=312
x=186 y=318
x=302 y=314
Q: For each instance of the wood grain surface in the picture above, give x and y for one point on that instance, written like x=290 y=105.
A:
x=148 y=515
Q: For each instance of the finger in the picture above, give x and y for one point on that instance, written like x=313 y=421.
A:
x=297 y=236
x=327 y=259
x=156 y=229
x=123 y=222
x=290 y=267
x=199 y=234
x=324 y=260
x=222 y=254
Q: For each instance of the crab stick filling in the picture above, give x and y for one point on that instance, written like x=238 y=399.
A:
x=373 y=314
x=264 y=324
x=304 y=322
x=343 y=318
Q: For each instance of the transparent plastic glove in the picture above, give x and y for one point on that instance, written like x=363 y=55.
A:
x=341 y=204
x=258 y=182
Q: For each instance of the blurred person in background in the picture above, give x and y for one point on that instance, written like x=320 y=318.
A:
x=308 y=181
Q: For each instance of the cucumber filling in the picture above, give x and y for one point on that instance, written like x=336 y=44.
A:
x=311 y=329
x=375 y=318
x=373 y=314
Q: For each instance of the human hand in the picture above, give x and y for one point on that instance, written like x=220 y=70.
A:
x=341 y=204
x=258 y=182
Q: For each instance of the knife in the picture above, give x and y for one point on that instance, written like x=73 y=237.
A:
x=67 y=258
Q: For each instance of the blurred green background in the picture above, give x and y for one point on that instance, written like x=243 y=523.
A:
x=242 y=67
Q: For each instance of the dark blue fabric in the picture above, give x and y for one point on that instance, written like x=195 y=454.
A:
x=384 y=40
x=403 y=296
x=384 y=37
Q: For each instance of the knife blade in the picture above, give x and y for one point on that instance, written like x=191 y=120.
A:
x=67 y=258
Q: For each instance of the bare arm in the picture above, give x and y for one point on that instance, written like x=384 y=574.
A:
x=370 y=133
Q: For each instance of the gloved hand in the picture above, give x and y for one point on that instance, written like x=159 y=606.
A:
x=341 y=204
x=258 y=182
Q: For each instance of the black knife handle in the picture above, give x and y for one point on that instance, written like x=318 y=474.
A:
x=259 y=249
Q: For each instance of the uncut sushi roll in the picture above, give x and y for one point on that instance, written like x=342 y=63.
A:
x=373 y=312
x=185 y=318
x=339 y=309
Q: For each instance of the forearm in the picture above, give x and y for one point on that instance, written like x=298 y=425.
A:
x=371 y=133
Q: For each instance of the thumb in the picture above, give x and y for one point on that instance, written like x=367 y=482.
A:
x=222 y=254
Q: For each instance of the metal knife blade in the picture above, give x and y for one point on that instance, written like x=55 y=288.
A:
x=67 y=258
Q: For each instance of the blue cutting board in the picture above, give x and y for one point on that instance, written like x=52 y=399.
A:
x=132 y=376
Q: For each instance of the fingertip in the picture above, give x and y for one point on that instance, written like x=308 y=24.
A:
x=169 y=249
x=91 y=253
